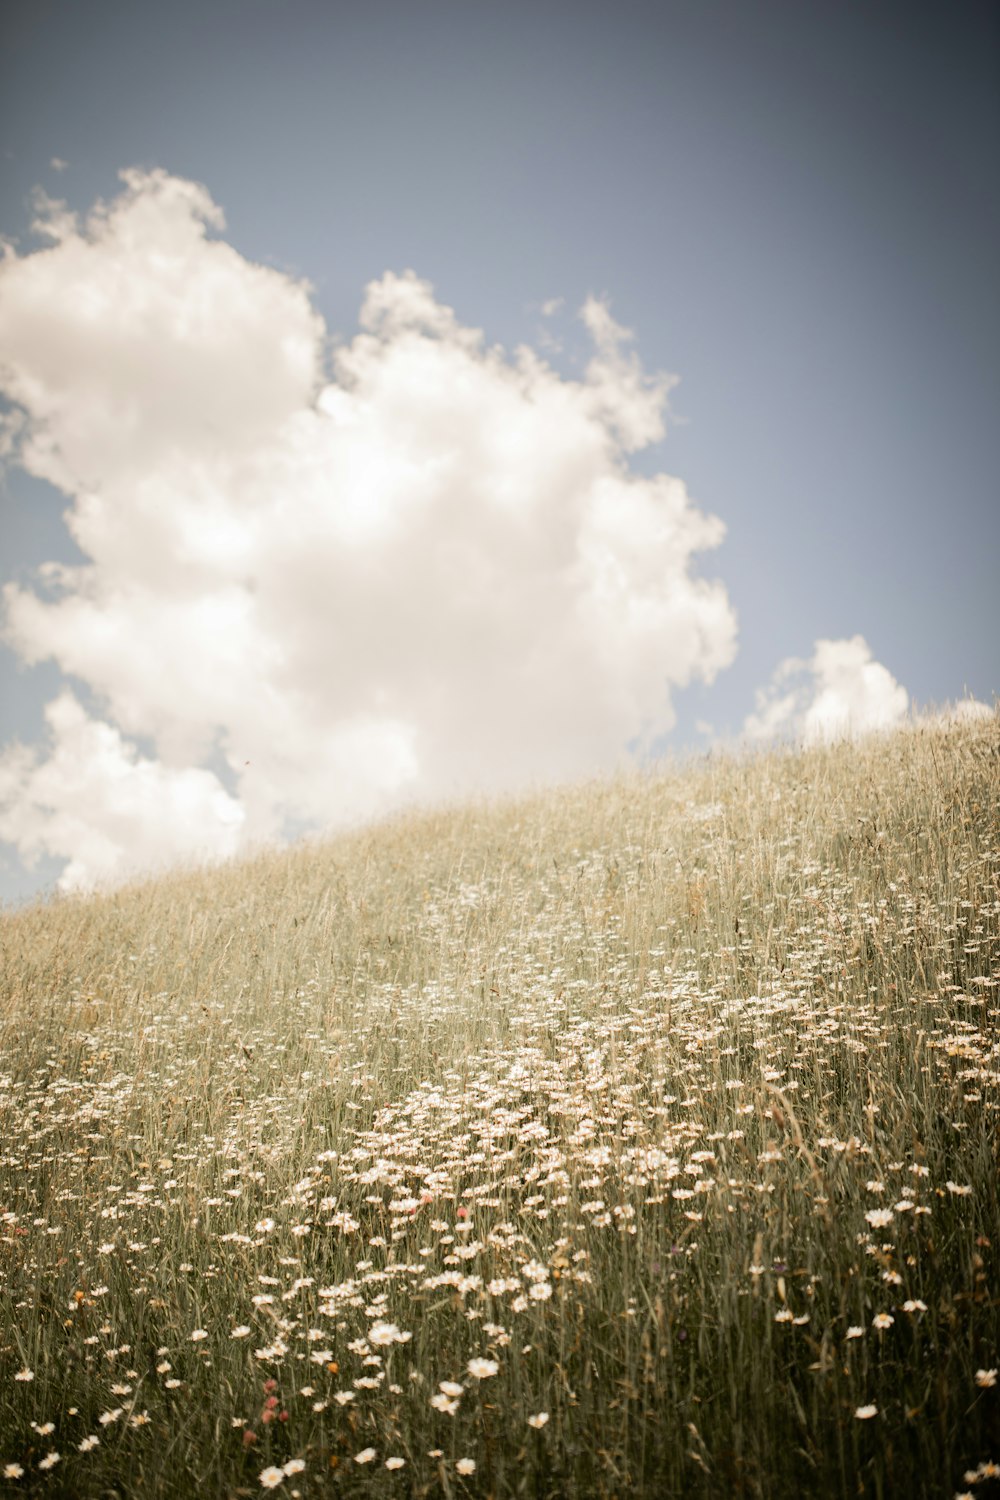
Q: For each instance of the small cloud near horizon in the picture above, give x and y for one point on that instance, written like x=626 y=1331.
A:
x=840 y=692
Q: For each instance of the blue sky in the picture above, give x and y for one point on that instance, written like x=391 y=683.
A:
x=795 y=209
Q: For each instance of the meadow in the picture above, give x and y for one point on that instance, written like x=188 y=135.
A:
x=637 y=1139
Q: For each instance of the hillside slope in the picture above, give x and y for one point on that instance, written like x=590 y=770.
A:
x=656 y=1118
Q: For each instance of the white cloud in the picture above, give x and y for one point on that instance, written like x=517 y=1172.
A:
x=113 y=812
x=53 y=220
x=965 y=711
x=426 y=570
x=631 y=403
x=971 y=711
x=840 y=691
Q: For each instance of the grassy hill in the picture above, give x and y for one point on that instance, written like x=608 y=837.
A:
x=640 y=1139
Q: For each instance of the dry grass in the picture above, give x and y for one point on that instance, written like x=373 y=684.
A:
x=665 y=1107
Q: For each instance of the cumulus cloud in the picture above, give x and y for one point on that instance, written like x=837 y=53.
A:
x=840 y=691
x=965 y=711
x=111 y=810
x=413 y=568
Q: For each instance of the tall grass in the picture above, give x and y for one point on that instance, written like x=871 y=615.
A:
x=640 y=1139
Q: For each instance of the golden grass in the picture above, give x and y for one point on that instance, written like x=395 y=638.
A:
x=639 y=1139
